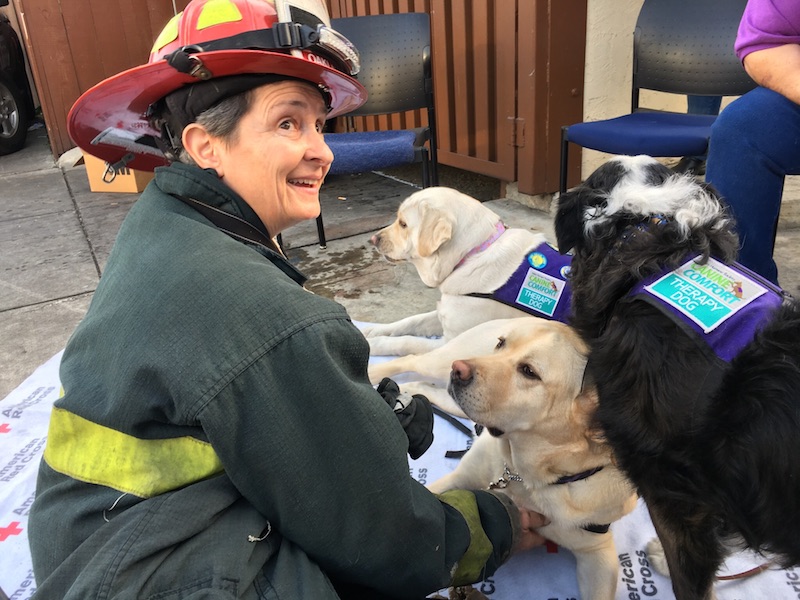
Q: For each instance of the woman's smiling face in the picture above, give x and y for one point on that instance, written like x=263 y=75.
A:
x=277 y=158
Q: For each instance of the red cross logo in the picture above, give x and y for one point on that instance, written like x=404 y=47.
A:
x=552 y=547
x=12 y=529
x=4 y=428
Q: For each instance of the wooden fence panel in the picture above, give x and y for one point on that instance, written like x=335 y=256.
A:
x=507 y=73
x=473 y=48
x=474 y=68
x=550 y=88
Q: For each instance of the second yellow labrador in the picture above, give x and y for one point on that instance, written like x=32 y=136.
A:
x=459 y=246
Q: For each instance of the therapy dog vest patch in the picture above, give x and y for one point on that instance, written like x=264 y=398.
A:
x=725 y=305
x=539 y=285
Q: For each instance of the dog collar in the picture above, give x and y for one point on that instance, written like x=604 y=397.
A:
x=508 y=476
x=592 y=527
x=577 y=477
x=505 y=479
x=633 y=230
x=499 y=230
x=648 y=222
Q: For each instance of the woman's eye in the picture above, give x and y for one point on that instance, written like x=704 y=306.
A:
x=527 y=371
x=500 y=343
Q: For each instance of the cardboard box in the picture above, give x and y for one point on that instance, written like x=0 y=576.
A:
x=103 y=179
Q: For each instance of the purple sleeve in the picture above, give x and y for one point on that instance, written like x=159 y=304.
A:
x=767 y=24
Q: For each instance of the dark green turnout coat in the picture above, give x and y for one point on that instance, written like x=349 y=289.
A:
x=218 y=436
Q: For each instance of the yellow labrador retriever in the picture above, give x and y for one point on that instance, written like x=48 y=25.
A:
x=459 y=246
x=538 y=444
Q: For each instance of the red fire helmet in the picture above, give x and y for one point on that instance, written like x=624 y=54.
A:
x=215 y=38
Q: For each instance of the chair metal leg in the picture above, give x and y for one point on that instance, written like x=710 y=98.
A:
x=562 y=186
x=434 y=163
x=321 y=232
x=434 y=154
x=426 y=173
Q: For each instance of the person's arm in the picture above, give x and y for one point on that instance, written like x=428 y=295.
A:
x=776 y=68
x=317 y=451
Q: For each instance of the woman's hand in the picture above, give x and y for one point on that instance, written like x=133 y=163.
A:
x=529 y=538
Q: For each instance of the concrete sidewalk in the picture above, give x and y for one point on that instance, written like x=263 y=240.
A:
x=55 y=236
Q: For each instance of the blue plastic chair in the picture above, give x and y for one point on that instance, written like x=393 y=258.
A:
x=679 y=47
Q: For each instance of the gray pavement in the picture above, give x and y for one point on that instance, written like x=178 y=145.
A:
x=55 y=237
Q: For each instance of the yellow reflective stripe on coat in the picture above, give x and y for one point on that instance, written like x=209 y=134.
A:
x=97 y=454
x=470 y=567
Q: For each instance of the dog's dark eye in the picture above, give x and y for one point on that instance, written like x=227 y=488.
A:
x=402 y=224
x=500 y=343
x=527 y=371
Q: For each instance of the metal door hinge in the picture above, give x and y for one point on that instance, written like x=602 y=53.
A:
x=517 y=131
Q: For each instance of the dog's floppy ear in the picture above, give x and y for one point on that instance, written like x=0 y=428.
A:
x=569 y=219
x=586 y=406
x=435 y=229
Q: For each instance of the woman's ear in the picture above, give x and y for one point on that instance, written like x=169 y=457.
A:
x=202 y=147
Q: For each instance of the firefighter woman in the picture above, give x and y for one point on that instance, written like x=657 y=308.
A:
x=217 y=436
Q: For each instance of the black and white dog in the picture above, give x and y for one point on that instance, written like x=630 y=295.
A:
x=697 y=364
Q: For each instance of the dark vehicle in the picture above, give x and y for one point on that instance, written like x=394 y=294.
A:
x=16 y=101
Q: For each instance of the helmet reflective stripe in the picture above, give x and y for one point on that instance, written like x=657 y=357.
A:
x=145 y=468
x=216 y=12
x=168 y=34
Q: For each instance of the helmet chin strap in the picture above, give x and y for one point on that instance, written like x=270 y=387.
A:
x=182 y=61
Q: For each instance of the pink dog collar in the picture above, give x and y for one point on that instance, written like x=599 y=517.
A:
x=499 y=230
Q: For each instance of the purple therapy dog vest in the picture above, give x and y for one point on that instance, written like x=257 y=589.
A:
x=724 y=305
x=539 y=285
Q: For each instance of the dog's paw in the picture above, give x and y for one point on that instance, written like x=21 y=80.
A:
x=377 y=371
x=655 y=552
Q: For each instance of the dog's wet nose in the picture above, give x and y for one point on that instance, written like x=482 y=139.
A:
x=461 y=372
x=375 y=239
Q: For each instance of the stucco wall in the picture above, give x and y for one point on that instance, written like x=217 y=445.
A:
x=609 y=53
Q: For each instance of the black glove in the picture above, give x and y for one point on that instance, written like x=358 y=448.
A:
x=414 y=413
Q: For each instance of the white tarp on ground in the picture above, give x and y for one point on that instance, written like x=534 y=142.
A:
x=546 y=573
